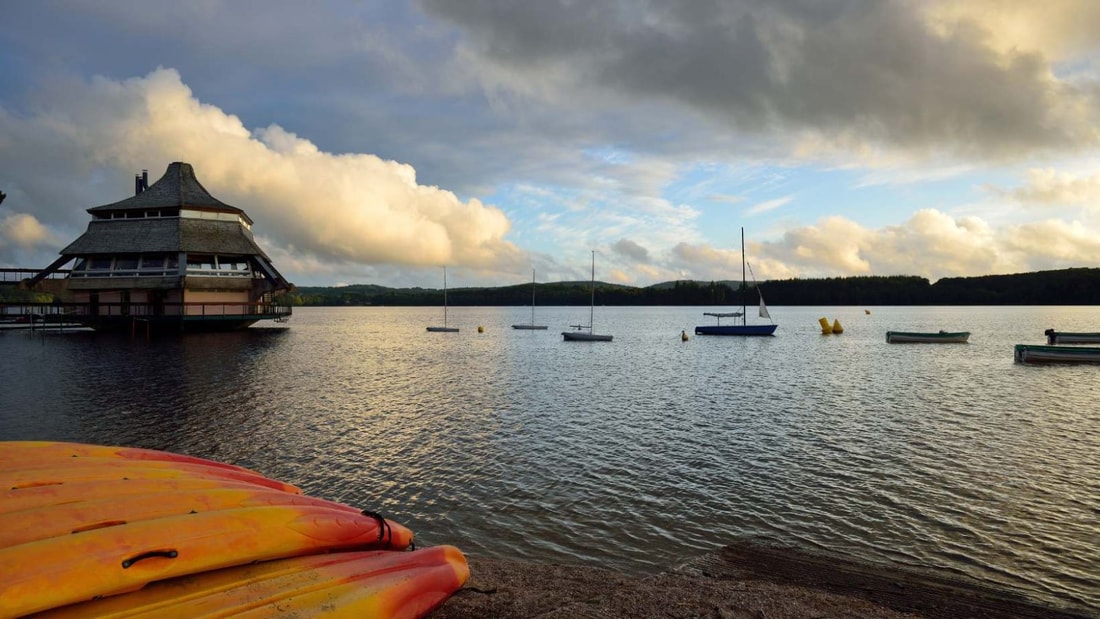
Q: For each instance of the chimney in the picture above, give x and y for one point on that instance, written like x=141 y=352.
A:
x=141 y=182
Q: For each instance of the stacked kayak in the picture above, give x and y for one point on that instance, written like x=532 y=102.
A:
x=94 y=531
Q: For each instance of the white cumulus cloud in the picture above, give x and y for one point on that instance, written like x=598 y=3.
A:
x=330 y=208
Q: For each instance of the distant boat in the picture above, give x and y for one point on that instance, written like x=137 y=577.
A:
x=580 y=335
x=1038 y=353
x=1054 y=337
x=444 y=328
x=744 y=328
x=939 y=337
x=531 y=326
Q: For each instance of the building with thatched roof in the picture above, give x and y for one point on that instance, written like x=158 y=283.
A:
x=171 y=256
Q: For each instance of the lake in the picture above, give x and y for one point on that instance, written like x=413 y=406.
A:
x=635 y=455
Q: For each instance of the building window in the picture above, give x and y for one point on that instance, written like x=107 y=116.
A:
x=200 y=265
x=127 y=265
x=152 y=262
x=218 y=266
x=233 y=265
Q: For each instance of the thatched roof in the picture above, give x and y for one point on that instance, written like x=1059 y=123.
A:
x=173 y=234
x=178 y=188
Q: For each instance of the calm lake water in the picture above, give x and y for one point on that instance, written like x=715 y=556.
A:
x=635 y=455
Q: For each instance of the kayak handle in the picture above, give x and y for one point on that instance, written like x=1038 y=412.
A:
x=167 y=554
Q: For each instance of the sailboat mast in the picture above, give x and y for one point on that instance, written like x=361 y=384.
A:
x=744 y=307
x=532 y=297
x=444 y=296
x=592 y=302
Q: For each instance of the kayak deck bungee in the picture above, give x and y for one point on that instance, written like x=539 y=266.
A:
x=18 y=453
x=356 y=584
x=69 y=470
x=91 y=512
x=116 y=559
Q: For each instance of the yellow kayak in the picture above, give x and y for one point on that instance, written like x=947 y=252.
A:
x=124 y=557
x=374 y=584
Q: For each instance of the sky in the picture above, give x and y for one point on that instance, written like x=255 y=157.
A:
x=375 y=142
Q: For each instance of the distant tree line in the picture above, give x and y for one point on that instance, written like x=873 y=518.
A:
x=1080 y=286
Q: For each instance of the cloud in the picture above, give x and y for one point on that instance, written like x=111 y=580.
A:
x=843 y=76
x=703 y=262
x=1046 y=186
x=931 y=244
x=21 y=235
x=330 y=208
x=1059 y=29
x=631 y=250
x=768 y=205
x=1053 y=244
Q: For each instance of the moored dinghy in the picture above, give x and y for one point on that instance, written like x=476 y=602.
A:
x=939 y=337
x=1065 y=337
x=1038 y=353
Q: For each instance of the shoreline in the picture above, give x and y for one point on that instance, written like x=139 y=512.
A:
x=744 y=580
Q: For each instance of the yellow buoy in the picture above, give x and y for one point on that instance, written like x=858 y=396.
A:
x=866 y=311
x=480 y=329
x=826 y=329
x=683 y=336
x=837 y=328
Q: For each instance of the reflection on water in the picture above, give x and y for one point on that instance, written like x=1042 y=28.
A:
x=636 y=455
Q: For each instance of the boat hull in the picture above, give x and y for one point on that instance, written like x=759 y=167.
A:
x=743 y=330
x=443 y=329
x=1029 y=353
x=942 y=337
x=530 y=327
x=583 y=336
x=1054 y=337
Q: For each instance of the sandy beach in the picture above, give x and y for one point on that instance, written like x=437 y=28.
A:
x=744 y=580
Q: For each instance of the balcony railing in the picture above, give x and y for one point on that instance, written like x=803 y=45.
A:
x=54 y=312
x=14 y=276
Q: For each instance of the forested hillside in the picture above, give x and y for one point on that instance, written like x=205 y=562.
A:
x=1079 y=286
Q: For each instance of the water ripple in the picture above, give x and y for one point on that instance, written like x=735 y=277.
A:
x=635 y=455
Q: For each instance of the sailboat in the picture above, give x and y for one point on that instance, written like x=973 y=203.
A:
x=532 y=325
x=444 y=328
x=580 y=335
x=744 y=328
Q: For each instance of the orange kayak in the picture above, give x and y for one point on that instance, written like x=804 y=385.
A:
x=117 y=559
x=89 y=530
x=375 y=584
x=57 y=471
x=93 y=512
x=44 y=496
x=18 y=454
